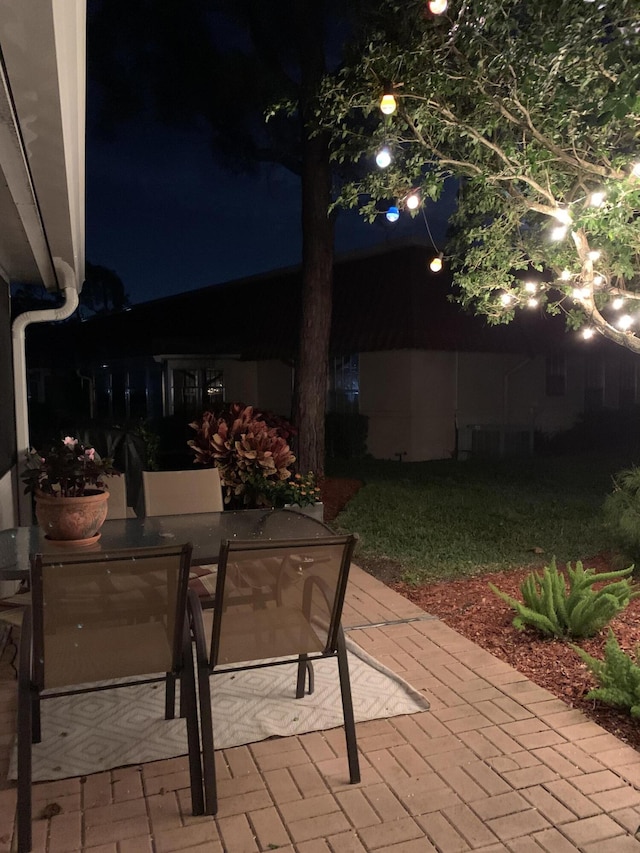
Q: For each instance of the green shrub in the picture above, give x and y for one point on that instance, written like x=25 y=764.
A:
x=580 y=612
x=618 y=675
x=622 y=513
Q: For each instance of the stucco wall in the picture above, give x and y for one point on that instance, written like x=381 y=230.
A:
x=408 y=396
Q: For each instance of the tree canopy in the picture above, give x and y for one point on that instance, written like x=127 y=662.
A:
x=534 y=109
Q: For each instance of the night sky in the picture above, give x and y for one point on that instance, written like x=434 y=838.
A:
x=166 y=219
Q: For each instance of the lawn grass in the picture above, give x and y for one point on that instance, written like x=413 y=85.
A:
x=447 y=518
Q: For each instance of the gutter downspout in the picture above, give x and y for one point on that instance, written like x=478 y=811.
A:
x=69 y=286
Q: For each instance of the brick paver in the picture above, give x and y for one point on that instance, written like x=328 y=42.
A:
x=497 y=765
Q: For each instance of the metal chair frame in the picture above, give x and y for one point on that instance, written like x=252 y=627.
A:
x=33 y=668
x=207 y=654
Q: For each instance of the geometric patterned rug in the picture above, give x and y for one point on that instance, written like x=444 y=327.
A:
x=92 y=732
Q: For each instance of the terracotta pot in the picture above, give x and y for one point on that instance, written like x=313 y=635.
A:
x=71 y=518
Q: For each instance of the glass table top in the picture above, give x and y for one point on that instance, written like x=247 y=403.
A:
x=205 y=531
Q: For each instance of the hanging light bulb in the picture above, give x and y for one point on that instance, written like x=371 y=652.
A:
x=506 y=299
x=587 y=333
x=530 y=286
x=437 y=7
x=565 y=275
x=617 y=303
x=388 y=104
x=594 y=256
x=413 y=201
x=597 y=280
x=559 y=232
x=393 y=214
x=532 y=303
x=562 y=215
x=435 y=265
x=597 y=199
x=635 y=171
x=383 y=158
x=625 y=322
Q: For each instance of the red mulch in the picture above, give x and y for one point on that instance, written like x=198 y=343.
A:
x=472 y=609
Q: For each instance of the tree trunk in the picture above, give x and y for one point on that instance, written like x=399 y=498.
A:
x=317 y=254
x=317 y=285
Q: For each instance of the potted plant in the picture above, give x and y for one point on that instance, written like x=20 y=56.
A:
x=300 y=491
x=248 y=447
x=70 y=492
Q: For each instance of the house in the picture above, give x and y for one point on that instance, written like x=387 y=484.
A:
x=433 y=380
x=42 y=120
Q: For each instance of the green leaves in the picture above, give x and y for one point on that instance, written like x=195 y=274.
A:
x=618 y=675
x=531 y=108
x=581 y=612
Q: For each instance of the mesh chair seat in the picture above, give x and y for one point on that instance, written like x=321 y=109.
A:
x=98 y=616
x=274 y=599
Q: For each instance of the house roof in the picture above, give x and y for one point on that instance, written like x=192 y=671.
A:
x=385 y=300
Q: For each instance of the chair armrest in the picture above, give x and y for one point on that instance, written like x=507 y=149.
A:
x=196 y=622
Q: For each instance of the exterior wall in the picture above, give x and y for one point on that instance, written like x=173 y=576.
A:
x=409 y=398
x=275 y=387
x=240 y=380
x=511 y=390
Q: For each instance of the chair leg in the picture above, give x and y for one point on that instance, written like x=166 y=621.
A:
x=347 y=709
x=305 y=667
x=189 y=709
x=170 y=697
x=25 y=734
x=204 y=701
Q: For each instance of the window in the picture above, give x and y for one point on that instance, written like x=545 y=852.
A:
x=628 y=384
x=344 y=383
x=556 y=380
x=196 y=389
x=594 y=384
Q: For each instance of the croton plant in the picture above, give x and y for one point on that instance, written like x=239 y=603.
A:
x=249 y=448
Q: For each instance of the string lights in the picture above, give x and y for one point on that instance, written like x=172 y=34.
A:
x=595 y=292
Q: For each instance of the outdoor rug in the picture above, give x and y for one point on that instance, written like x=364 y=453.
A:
x=92 y=732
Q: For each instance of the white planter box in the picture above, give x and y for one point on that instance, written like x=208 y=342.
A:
x=315 y=510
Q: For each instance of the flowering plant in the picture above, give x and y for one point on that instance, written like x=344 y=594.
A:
x=301 y=489
x=248 y=447
x=66 y=470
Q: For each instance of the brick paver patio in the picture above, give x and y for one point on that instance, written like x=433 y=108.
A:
x=497 y=765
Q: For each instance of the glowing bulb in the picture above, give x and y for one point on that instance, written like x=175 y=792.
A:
x=388 y=104
x=393 y=214
x=436 y=264
x=617 y=303
x=597 y=199
x=383 y=158
x=597 y=280
x=594 y=256
x=530 y=286
x=625 y=322
x=636 y=170
x=580 y=293
x=562 y=215
x=437 y=7
x=587 y=333
x=565 y=275
x=506 y=299
x=532 y=303
x=413 y=201
x=559 y=233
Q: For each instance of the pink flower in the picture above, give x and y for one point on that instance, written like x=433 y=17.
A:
x=90 y=454
x=69 y=441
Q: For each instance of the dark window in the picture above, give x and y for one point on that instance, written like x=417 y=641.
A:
x=594 y=384
x=196 y=389
x=628 y=384
x=556 y=383
x=344 y=383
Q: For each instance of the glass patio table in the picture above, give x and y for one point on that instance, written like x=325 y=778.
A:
x=204 y=530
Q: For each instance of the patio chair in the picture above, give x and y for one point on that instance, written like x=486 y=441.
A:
x=117 y=506
x=99 y=616
x=182 y=493
x=254 y=628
